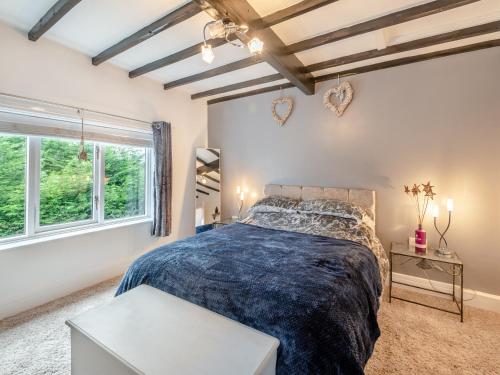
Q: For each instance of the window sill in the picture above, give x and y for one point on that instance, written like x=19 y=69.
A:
x=70 y=232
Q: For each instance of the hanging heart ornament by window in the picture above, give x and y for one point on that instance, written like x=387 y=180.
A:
x=283 y=100
x=342 y=97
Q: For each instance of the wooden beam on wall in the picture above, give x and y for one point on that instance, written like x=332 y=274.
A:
x=53 y=15
x=173 y=18
x=237 y=86
x=241 y=12
x=373 y=67
x=392 y=19
x=268 y=21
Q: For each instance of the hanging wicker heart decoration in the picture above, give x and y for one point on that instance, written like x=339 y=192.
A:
x=283 y=100
x=343 y=93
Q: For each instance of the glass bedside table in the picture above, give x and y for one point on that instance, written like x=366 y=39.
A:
x=457 y=267
x=225 y=221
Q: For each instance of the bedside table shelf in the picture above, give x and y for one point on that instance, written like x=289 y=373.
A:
x=225 y=221
x=400 y=249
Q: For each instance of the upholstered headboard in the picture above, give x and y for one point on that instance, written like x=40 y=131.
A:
x=362 y=197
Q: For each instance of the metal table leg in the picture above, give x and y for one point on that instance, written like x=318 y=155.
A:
x=390 y=278
x=462 y=293
x=454 y=283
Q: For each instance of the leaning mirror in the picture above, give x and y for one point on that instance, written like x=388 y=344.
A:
x=207 y=188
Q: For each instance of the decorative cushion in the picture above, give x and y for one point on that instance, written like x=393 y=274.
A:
x=337 y=208
x=275 y=204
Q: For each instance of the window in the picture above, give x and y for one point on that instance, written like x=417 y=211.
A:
x=124 y=181
x=12 y=185
x=66 y=183
x=44 y=187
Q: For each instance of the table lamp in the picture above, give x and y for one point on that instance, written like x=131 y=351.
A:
x=443 y=244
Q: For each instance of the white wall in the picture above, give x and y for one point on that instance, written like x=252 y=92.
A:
x=437 y=120
x=37 y=273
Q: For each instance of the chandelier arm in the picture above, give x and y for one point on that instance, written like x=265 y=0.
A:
x=205 y=31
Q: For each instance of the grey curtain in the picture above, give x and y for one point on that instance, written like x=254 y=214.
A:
x=162 y=179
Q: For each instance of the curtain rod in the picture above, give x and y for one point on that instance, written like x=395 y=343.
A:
x=75 y=108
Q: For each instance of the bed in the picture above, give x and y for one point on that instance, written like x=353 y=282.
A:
x=310 y=279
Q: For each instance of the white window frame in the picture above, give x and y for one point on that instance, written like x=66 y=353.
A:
x=32 y=227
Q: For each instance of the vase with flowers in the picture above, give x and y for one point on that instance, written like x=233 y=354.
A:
x=421 y=194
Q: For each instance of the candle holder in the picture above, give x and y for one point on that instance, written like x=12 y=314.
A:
x=240 y=208
x=443 y=250
x=241 y=199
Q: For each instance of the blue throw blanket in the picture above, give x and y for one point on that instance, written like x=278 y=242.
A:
x=317 y=295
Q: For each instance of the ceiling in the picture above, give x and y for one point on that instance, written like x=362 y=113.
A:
x=94 y=25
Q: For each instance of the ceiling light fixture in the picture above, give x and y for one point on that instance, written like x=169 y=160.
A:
x=255 y=45
x=224 y=28
x=207 y=54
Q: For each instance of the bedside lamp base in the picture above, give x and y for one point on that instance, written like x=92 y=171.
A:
x=444 y=252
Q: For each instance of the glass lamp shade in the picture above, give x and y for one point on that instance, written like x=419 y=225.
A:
x=215 y=29
x=255 y=45
x=207 y=54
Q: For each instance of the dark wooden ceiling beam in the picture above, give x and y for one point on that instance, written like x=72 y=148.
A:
x=173 y=58
x=268 y=21
x=372 y=67
x=214 y=151
x=451 y=36
x=53 y=15
x=372 y=25
x=411 y=60
x=392 y=19
x=202 y=192
x=201 y=160
x=237 y=86
x=211 y=178
x=240 y=64
x=290 y=12
x=250 y=93
x=207 y=186
x=209 y=167
x=173 y=18
x=361 y=56
x=241 y=12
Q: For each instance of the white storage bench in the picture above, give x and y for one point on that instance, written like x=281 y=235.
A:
x=147 y=331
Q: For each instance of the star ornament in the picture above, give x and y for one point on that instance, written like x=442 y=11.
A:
x=427 y=187
x=407 y=189
x=415 y=190
x=430 y=194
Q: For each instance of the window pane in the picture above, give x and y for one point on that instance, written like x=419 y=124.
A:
x=12 y=184
x=124 y=182
x=65 y=182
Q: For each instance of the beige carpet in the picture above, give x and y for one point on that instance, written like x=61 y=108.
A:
x=415 y=340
